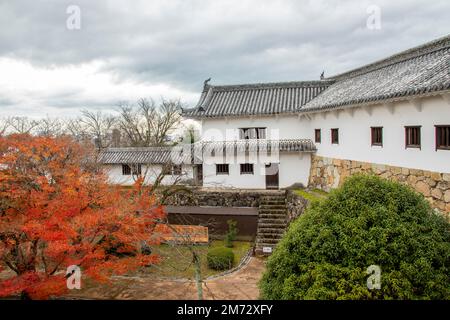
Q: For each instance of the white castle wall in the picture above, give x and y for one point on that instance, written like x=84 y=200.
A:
x=151 y=172
x=354 y=132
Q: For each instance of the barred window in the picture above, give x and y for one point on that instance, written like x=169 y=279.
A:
x=335 y=136
x=222 y=168
x=412 y=137
x=317 y=135
x=172 y=170
x=443 y=137
x=252 y=133
x=246 y=168
x=134 y=169
x=176 y=170
x=377 y=136
x=126 y=170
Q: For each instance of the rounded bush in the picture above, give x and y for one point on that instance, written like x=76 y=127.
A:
x=220 y=258
x=326 y=252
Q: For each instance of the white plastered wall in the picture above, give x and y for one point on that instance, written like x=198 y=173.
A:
x=151 y=172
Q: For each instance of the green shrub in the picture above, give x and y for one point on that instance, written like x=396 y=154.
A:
x=220 y=258
x=231 y=234
x=368 y=221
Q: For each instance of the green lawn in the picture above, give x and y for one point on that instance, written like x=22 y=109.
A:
x=176 y=260
x=311 y=195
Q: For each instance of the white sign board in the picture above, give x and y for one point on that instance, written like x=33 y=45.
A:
x=267 y=249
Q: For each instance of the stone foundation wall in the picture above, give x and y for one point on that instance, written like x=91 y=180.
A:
x=295 y=205
x=329 y=173
x=222 y=198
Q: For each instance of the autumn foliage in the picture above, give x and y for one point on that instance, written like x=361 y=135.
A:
x=57 y=210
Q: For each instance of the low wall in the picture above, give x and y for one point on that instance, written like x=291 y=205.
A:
x=215 y=198
x=213 y=208
x=215 y=218
x=328 y=173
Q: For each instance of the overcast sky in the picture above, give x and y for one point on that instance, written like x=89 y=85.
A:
x=125 y=50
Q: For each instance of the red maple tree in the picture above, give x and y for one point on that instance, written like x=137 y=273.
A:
x=57 y=210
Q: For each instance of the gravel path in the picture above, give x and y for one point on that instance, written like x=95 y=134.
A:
x=242 y=284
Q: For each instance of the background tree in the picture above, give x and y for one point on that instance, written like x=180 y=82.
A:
x=22 y=125
x=4 y=124
x=50 y=127
x=147 y=124
x=368 y=221
x=56 y=212
x=99 y=126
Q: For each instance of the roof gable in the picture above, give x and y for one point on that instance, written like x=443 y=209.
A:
x=255 y=99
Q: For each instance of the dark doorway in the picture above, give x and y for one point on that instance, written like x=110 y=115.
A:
x=272 y=176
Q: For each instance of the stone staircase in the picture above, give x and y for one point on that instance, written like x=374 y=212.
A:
x=272 y=222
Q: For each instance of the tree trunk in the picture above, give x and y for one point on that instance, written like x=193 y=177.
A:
x=198 y=275
x=25 y=296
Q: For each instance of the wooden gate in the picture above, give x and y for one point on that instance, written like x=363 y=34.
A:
x=272 y=176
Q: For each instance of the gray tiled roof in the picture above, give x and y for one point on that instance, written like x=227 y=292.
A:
x=417 y=71
x=255 y=99
x=193 y=153
x=282 y=145
x=153 y=155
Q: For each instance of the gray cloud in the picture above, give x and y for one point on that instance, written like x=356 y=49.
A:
x=180 y=43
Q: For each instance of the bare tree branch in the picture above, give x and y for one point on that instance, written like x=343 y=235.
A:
x=99 y=126
x=22 y=124
x=146 y=124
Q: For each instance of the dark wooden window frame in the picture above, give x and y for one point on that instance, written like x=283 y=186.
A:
x=376 y=138
x=409 y=144
x=173 y=170
x=438 y=135
x=261 y=133
x=247 y=168
x=126 y=170
x=222 y=169
x=317 y=135
x=177 y=170
x=335 y=141
x=133 y=169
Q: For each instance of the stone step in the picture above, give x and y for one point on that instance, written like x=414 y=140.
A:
x=273 y=201
x=272 y=225
x=273 y=198
x=272 y=207
x=273 y=211
x=272 y=216
x=263 y=236
x=270 y=230
x=281 y=220
x=265 y=241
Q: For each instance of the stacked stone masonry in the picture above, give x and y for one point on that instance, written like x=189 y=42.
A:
x=329 y=173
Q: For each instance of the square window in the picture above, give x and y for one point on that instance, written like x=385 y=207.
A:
x=176 y=170
x=172 y=170
x=131 y=169
x=252 y=133
x=412 y=137
x=126 y=170
x=222 y=169
x=246 y=168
